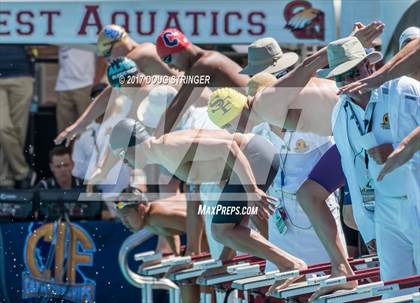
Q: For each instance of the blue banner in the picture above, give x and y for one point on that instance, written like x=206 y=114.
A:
x=25 y=248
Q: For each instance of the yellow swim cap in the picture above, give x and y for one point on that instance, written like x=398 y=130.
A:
x=260 y=81
x=224 y=105
x=109 y=35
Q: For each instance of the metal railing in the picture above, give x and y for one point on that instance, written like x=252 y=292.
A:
x=146 y=284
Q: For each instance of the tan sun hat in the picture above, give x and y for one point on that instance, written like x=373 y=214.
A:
x=109 y=35
x=265 y=55
x=154 y=105
x=343 y=55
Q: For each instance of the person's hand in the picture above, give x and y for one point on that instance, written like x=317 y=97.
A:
x=361 y=87
x=398 y=157
x=265 y=203
x=381 y=152
x=367 y=34
x=69 y=134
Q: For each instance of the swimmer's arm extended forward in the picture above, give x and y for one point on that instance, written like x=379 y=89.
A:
x=187 y=95
x=406 y=61
x=288 y=86
x=93 y=111
x=403 y=153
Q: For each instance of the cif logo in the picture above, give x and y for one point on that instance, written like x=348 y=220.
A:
x=67 y=246
x=170 y=40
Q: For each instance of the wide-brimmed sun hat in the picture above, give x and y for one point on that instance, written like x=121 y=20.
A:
x=154 y=105
x=343 y=55
x=265 y=55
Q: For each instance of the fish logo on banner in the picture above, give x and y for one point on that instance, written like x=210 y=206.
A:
x=304 y=21
x=53 y=254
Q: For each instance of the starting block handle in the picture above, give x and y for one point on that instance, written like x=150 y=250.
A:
x=334 y=281
x=343 y=279
x=231 y=269
x=176 y=261
x=241 y=258
x=407 y=282
x=207 y=264
x=147 y=256
x=245 y=269
x=286 y=275
x=200 y=256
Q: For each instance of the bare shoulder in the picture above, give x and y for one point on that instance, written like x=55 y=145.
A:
x=321 y=81
x=147 y=49
x=213 y=59
x=203 y=65
x=324 y=85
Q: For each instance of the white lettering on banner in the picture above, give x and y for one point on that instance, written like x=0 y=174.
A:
x=206 y=21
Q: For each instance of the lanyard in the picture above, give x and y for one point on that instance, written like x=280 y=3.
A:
x=94 y=141
x=283 y=162
x=367 y=126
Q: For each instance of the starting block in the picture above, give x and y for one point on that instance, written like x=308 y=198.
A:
x=413 y=298
x=198 y=268
x=166 y=264
x=372 y=290
x=148 y=256
x=255 y=286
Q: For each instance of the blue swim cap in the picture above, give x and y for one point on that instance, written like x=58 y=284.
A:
x=119 y=70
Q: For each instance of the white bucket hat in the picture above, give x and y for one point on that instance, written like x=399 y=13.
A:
x=265 y=55
x=154 y=105
x=343 y=55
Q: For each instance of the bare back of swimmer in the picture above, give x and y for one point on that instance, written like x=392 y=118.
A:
x=114 y=42
x=219 y=71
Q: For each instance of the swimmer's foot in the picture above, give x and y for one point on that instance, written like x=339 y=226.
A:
x=282 y=284
x=335 y=272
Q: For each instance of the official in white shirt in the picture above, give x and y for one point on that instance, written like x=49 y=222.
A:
x=365 y=128
x=74 y=83
x=299 y=152
x=407 y=113
x=92 y=146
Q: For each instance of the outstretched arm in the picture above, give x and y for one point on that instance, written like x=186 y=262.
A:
x=301 y=75
x=405 y=62
x=153 y=65
x=94 y=110
x=187 y=95
x=403 y=153
x=289 y=87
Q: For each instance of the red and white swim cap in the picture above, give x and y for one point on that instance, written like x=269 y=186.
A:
x=171 y=41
